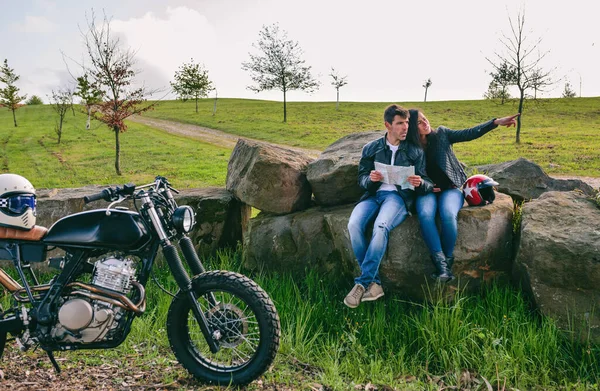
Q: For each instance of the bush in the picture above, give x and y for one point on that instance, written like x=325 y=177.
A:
x=34 y=100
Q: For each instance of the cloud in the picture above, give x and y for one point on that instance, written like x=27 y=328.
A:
x=35 y=24
x=163 y=43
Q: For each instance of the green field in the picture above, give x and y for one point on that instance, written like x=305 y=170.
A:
x=562 y=135
x=86 y=157
x=390 y=343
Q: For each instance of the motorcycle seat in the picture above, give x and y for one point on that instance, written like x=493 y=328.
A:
x=34 y=234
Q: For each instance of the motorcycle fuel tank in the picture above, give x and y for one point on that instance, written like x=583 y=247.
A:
x=120 y=230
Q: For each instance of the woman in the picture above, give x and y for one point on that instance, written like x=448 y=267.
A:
x=448 y=176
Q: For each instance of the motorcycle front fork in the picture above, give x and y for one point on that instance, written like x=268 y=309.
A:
x=185 y=284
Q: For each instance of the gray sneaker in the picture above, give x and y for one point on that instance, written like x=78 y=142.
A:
x=352 y=300
x=374 y=292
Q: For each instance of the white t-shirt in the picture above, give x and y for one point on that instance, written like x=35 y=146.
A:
x=386 y=186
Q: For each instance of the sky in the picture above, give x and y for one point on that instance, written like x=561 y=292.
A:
x=387 y=49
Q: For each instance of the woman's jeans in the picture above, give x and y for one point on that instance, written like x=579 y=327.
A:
x=448 y=203
x=388 y=210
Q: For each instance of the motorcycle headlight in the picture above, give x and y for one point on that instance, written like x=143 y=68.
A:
x=183 y=219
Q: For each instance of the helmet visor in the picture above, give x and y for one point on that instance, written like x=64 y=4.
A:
x=18 y=203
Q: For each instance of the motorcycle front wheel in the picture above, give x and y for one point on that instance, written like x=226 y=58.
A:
x=242 y=317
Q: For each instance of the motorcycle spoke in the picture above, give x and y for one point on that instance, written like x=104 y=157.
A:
x=238 y=326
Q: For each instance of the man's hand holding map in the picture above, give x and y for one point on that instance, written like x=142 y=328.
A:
x=396 y=175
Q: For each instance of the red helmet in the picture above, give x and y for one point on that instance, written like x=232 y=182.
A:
x=479 y=190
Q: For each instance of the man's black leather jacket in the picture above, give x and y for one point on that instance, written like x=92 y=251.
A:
x=407 y=155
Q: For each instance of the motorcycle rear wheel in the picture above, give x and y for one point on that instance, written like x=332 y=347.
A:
x=245 y=318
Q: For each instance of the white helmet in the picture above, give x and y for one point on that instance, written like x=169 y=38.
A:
x=17 y=202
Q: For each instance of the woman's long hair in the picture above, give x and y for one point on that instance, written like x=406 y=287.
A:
x=413 y=128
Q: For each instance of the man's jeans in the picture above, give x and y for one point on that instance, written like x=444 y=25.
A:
x=388 y=210
x=448 y=203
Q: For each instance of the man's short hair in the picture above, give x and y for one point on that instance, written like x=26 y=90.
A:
x=393 y=110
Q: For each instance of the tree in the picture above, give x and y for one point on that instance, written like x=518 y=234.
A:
x=568 y=91
x=279 y=65
x=426 y=85
x=9 y=95
x=495 y=92
x=539 y=81
x=338 y=82
x=502 y=78
x=112 y=72
x=61 y=101
x=34 y=100
x=90 y=95
x=519 y=56
x=191 y=82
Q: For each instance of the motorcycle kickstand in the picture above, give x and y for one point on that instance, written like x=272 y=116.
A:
x=53 y=361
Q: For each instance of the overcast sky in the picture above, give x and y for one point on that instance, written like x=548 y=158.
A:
x=386 y=48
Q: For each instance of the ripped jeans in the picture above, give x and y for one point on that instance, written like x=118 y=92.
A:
x=388 y=210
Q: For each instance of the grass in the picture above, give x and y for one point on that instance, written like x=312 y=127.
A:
x=492 y=335
x=561 y=135
x=87 y=157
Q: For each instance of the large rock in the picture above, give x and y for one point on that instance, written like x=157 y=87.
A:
x=269 y=178
x=558 y=261
x=333 y=176
x=318 y=239
x=522 y=179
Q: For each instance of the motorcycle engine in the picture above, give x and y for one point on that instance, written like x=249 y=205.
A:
x=84 y=320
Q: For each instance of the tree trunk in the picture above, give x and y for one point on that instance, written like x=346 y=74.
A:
x=337 y=105
x=215 y=105
x=14 y=118
x=196 y=104
x=284 y=108
x=60 y=128
x=87 y=124
x=521 y=100
x=425 y=94
x=117 y=151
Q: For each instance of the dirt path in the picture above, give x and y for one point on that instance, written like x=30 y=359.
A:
x=211 y=136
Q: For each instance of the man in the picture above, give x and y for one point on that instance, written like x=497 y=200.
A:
x=386 y=204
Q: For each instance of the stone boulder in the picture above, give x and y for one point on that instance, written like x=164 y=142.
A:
x=318 y=239
x=558 y=261
x=522 y=179
x=333 y=176
x=269 y=178
x=220 y=217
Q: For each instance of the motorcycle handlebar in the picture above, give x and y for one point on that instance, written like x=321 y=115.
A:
x=103 y=195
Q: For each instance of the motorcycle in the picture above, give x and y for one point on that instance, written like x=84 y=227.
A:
x=222 y=327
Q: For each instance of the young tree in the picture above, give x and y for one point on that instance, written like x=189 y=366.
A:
x=90 y=95
x=279 y=66
x=568 y=91
x=539 y=81
x=34 y=100
x=519 y=55
x=502 y=78
x=495 y=92
x=112 y=72
x=215 y=104
x=338 y=82
x=9 y=95
x=191 y=82
x=61 y=101
x=426 y=85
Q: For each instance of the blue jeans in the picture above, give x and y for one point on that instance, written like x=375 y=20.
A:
x=388 y=210
x=447 y=203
